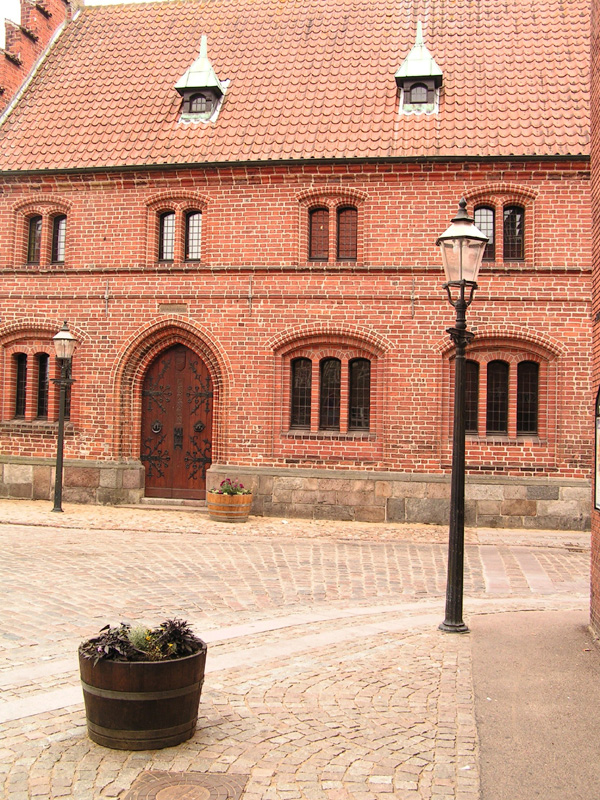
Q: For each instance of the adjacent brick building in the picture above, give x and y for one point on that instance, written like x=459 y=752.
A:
x=595 y=148
x=241 y=233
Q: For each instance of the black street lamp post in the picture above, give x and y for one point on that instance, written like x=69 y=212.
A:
x=462 y=247
x=64 y=345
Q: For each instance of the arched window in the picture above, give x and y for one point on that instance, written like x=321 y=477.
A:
x=527 y=397
x=34 y=240
x=301 y=381
x=485 y=220
x=514 y=233
x=21 y=383
x=43 y=369
x=193 y=235
x=166 y=236
x=329 y=405
x=319 y=234
x=359 y=371
x=497 y=397
x=59 y=235
x=59 y=232
x=347 y=231
x=418 y=93
x=199 y=104
x=472 y=397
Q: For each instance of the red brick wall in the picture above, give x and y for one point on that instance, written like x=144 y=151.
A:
x=256 y=296
x=26 y=42
x=595 y=150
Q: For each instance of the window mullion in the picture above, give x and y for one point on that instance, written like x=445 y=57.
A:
x=46 y=240
x=512 y=402
x=315 y=397
x=179 y=243
x=332 y=234
x=344 y=396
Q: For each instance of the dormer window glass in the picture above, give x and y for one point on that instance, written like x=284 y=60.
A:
x=418 y=93
x=200 y=104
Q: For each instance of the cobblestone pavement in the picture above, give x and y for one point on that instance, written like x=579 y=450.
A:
x=327 y=678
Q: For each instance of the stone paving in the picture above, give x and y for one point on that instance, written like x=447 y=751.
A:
x=327 y=678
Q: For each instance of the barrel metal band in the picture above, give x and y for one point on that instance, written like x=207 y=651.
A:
x=145 y=734
x=124 y=695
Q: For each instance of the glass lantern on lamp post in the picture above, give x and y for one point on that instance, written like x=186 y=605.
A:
x=64 y=345
x=461 y=246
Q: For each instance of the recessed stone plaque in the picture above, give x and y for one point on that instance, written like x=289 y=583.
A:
x=172 y=308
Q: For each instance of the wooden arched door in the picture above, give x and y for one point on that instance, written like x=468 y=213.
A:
x=176 y=442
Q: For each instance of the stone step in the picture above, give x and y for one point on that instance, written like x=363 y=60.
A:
x=170 y=504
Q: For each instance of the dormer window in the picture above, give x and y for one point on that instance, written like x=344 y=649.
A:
x=201 y=90
x=419 y=79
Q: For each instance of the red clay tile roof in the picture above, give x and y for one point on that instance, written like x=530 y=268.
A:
x=308 y=79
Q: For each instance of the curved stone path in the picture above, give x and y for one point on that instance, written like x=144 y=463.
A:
x=326 y=679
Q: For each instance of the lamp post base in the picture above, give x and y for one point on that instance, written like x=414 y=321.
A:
x=450 y=627
x=58 y=509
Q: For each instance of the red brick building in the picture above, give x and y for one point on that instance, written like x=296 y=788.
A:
x=241 y=233
x=595 y=148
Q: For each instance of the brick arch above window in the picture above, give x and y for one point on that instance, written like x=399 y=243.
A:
x=334 y=333
x=524 y=194
x=487 y=334
x=180 y=204
x=47 y=208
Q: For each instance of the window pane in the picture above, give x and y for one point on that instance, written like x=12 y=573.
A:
x=527 y=397
x=34 y=240
x=199 y=104
x=43 y=362
x=21 y=388
x=59 y=232
x=418 y=93
x=193 y=235
x=472 y=397
x=497 y=397
x=166 y=241
x=301 y=386
x=347 y=219
x=485 y=221
x=514 y=233
x=360 y=394
x=319 y=234
x=329 y=413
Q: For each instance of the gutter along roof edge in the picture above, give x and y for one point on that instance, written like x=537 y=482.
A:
x=583 y=157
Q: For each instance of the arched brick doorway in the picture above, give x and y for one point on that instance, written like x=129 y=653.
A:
x=177 y=415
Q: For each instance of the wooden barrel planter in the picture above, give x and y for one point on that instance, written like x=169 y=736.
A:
x=228 y=507
x=142 y=705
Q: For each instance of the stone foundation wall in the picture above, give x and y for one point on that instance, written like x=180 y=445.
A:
x=511 y=502
x=542 y=503
x=102 y=482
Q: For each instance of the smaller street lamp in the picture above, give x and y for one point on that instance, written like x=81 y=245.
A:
x=64 y=345
x=462 y=247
